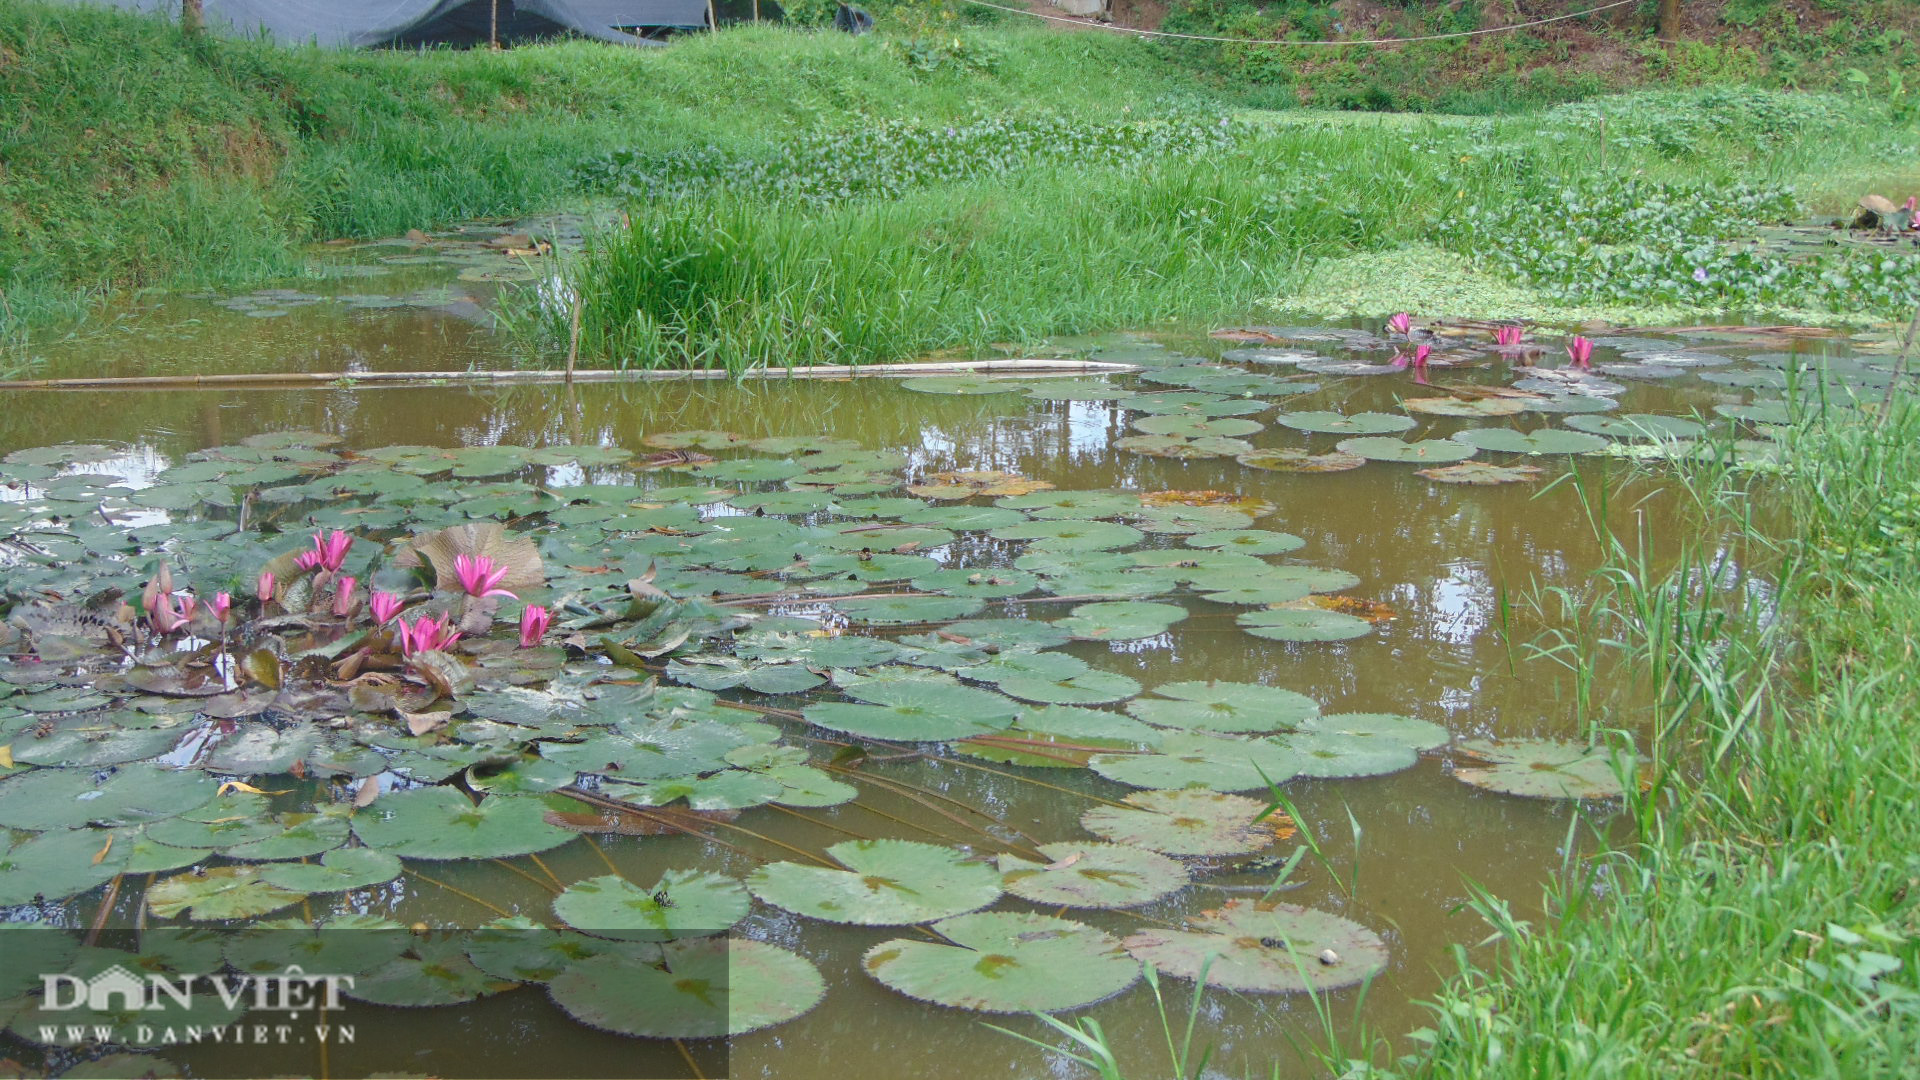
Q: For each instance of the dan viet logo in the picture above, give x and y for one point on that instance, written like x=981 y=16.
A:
x=152 y=1010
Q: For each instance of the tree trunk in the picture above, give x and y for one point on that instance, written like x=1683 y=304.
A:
x=191 y=19
x=1670 y=20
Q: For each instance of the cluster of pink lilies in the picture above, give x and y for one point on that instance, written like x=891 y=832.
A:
x=478 y=575
x=1507 y=335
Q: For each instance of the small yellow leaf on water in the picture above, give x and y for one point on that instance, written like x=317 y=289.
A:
x=103 y=851
x=235 y=785
x=6 y=756
x=369 y=791
x=1066 y=862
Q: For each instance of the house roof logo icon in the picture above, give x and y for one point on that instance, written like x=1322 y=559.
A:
x=116 y=982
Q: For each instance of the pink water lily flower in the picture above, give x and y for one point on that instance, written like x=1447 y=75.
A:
x=1418 y=361
x=343 y=596
x=1507 y=334
x=187 y=606
x=1401 y=323
x=263 y=588
x=479 y=577
x=222 y=606
x=533 y=625
x=1580 y=351
x=426 y=635
x=161 y=613
x=308 y=560
x=385 y=606
x=328 y=553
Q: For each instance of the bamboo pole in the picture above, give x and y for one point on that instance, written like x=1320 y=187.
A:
x=1028 y=367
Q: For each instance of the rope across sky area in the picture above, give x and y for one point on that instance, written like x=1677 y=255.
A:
x=1269 y=41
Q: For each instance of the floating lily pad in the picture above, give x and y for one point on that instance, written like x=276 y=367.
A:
x=1467 y=407
x=340 y=870
x=1265 y=949
x=1174 y=446
x=1759 y=412
x=1247 y=541
x=1061 y=737
x=1188 y=821
x=1638 y=426
x=916 y=712
x=898 y=610
x=55 y=865
x=221 y=892
x=1200 y=759
x=1481 y=472
x=1540 y=768
x=44 y=799
x=1093 y=875
x=1302 y=624
x=1433 y=451
x=726 y=673
x=1067 y=534
x=1329 y=754
x=1225 y=707
x=1419 y=734
x=1543 y=441
x=1301 y=461
x=1002 y=961
x=1195 y=427
x=885 y=883
x=970 y=385
x=441 y=823
x=1125 y=620
x=683 y=903
x=704 y=988
x=1366 y=423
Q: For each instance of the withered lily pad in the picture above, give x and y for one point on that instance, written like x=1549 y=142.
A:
x=1188 y=821
x=1265 y=949
x=1540 y=768
x=1093 y=875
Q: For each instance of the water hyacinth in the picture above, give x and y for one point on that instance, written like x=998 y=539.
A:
x=533 y=625
x=480 y=577
x=427 y=635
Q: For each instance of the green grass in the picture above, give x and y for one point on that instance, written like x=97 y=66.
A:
x=1762 y=922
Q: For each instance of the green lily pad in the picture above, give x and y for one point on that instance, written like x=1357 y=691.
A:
x=222 y=892
x=55 y=865
x=1093 y=875
x=434 y=970
x=1247 y=541
x=899 y=610
x=1328 y=755
x=1427 y=451
x=1265 y=949
x=1540 y=768
x=1076 y=505
x=43 y=799
x=970 y=385
x=1333 y=423
x=1061 y=737
x=1302 y=624
x=1002 y=961
x=441 y=823
x=1196 y=427
x=1225 y=707
x=1188 y=821
x=95 y=739
x=726 y=673
x=1174 y=446
x=683 y=903
x=916 y=712
x=704 y=988
x=1288 y=460
x=1465 y=407
x=1419 y=734
x=885 y=883
x=1203 y=760
x=729 y=789
x=993 y=584
x=340 y=870
x=1638 y=426
x=820 y=650
x=1543 y=441
x=1124 y=620
x=1067 y=534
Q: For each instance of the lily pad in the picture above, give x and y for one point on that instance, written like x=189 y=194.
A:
x=1010 y=962
x=885 y=883
x=908 y=608
x=1202 y=760
x=916 y=712
x=1302 y=624
x=1638 y=426
x=1432 y=451
x=1124 y=620
x=1466 y=407
x=1093 y=875
x=1328 y=754
x=1481 y=472
x=1247 y=541
x=1419 y=734
x=1067 y=534
x=441 y=823
x=340 y=870
x=683 y=903
x=44 y=799
x=1366 y=423
x=55 y=865
x=704 y=988
x=222 y=892
x=1225 y=707
x=1187 y=821
x=1543 y=441
x=969 y=385
x=1540 y=768
x=1301 y=461
x=1265 y=949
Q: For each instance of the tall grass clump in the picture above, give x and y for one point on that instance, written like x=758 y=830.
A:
x=718 y=282
x=1760 y=918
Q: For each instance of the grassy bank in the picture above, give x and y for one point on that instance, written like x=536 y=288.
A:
x=1763 y=921
x=1641 y=207
x=146 y=158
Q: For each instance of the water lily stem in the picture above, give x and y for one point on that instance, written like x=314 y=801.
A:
x=550 y=888
x=462 y=893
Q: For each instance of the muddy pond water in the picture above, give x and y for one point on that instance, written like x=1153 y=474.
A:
x=1401 y=850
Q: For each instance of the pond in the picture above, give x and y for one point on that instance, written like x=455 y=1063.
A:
x=991 y=650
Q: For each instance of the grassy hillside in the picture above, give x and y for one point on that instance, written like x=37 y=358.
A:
x=149 y=158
